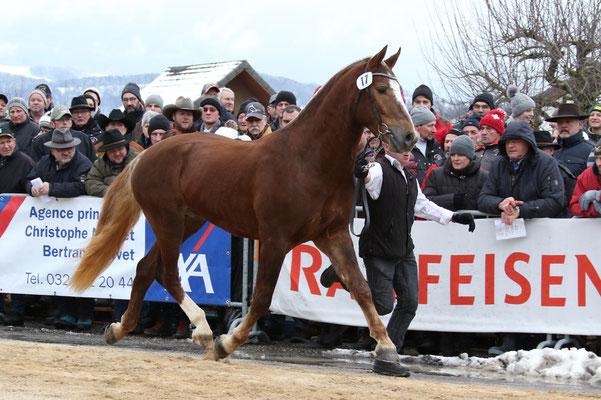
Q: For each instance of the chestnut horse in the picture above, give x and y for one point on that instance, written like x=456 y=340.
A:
x=285 y=189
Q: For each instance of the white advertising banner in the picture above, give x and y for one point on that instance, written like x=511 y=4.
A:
x=545 y=282
x=41 y=243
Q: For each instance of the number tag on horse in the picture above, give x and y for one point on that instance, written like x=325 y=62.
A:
x=364 y=80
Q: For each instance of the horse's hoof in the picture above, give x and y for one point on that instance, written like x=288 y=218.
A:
x=388 y=354
x=109 y=336
x=391 y=368
x=219 y=349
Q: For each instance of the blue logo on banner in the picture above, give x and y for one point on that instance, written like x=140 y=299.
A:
x=204 y=266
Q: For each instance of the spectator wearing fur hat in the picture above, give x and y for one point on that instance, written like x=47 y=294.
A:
x=21 y=126
x=283 y=99
x=471 y=126
x=427 y=150
x=574 y=149
x=422 y=96
x=211 y=111
x=60 y=118
x=482 y=104
x=492 y=127
x=133 y=106
x=456 y=186
x=586 y=200
x=522 y=106
x=154 y=102
x=37 y=105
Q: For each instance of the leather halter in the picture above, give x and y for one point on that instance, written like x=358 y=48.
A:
x=382 y=127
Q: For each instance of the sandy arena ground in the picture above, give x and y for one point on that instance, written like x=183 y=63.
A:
x=59 y=371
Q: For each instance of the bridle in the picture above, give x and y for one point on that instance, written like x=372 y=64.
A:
x=364 y=81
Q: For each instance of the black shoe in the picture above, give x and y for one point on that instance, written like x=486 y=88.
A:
x=13 y=320
x=329 y=277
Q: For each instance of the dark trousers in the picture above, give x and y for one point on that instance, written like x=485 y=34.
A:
x=387 y=277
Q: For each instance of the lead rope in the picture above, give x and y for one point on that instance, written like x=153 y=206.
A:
x=360 y=194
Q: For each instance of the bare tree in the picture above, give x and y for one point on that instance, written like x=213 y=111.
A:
x=548 y=48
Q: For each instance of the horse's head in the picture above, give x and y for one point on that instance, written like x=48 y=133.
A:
x=380 y=105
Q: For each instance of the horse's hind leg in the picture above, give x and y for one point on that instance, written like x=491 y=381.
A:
x=145 y=273
x=271 y=258
x=339 y=249
x=168 y=277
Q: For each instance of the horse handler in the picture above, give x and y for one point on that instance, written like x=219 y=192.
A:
x=386 y=246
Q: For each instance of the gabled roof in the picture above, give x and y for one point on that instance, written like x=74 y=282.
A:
x=188 y=80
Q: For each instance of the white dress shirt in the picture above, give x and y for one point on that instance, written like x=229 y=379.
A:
x=424 y=208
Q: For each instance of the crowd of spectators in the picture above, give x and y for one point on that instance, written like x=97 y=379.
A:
x=492 y=160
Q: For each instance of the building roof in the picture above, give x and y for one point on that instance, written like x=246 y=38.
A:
x=188 y=80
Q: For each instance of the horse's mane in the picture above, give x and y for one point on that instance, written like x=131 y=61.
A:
x=317 y=98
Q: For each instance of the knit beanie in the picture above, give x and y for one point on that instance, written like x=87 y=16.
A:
x=597 y=151
x=132 y=88
x=423 y=90
x=158 y=122
x=519 y=101
x=211 y=101
x=39 y=92
x=286 y=96
x=18 y=102
x=242 y=108
x=420 y=115
x=495 y=119
x=472 y=120
x=147 y=116
x=463 y=145
x=486 y=98
x=154 y=99
x=96 y=92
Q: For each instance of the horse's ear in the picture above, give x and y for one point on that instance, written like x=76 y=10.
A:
x=376 y=60
x=392 y=59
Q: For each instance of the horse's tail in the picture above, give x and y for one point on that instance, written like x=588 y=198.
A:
x=120 y=211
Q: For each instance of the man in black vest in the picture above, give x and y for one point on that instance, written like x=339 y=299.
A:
x=386 y=245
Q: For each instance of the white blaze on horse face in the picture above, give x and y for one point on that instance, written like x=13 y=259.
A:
x=395 y=86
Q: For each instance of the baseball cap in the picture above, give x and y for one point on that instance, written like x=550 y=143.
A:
x=255 y=110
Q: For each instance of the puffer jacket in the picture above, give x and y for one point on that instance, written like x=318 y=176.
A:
x=455 y=189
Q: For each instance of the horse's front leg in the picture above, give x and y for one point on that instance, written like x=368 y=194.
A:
x=339 y=249
x=271 y=256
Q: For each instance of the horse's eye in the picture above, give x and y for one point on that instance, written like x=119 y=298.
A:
x=381 y=90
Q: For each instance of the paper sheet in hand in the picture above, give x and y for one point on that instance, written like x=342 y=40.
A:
x=515 y=230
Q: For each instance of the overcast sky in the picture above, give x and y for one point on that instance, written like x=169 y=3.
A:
x=307 y=41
